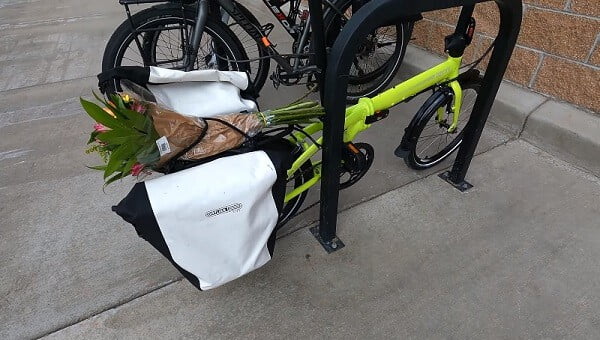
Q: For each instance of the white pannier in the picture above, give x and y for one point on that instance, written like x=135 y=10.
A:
x=217 y=221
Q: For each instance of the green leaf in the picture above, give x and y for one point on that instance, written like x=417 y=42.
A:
x=128 y=166
x=123 y=112
x=101 y=116
x=120 y=136
x=97 y=167
x=118 y=140
x=149 y=129
x=100 y=99
x=119 y=157
x=139 y=121
x=148 y=155
x=93 y=136
x=114 y=178
x=118 y=101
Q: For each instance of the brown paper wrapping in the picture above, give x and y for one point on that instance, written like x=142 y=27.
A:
x=182 y=131
x=221 y=137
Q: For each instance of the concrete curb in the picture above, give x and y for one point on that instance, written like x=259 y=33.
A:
x=558 y=128
x=565 y=130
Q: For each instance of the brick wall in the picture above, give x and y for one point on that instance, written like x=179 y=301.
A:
x=557 y=54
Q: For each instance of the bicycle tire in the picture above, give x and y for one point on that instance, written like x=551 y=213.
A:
x=290 y=208
x=376 y=80
x=159 y=17
x=254 y=49
x=422 y=122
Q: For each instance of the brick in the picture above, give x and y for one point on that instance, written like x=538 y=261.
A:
x=569 y=81
x=555 y=4
x=430 y=35
x=478 y=46
x=562 y=34
x=595 y=58
x=449 y=15
x=587 y=7
x=487 y=18
x=523 y=62
x=486 y=15
x=522 y=65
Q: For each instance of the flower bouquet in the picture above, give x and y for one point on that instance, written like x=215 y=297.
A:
x=133 y=135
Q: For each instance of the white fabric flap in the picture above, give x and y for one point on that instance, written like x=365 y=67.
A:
x=160 y=75
x=202 y=99
x=216 y=218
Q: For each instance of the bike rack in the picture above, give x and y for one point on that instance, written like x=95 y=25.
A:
x=335 y=84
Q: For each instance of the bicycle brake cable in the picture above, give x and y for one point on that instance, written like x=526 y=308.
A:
x=470 y=66
x=480 y=59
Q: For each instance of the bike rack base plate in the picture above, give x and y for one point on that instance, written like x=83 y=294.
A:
x=462 y=185
x=330 y=246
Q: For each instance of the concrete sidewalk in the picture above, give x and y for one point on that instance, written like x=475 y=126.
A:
x=515 y=257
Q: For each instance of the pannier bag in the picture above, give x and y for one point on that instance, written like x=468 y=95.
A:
x=201 y=93
x=217 y=221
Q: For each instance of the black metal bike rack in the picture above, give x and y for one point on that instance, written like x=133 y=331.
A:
x=334 y=79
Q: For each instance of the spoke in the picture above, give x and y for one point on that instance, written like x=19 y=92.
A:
x=435 y=124
x=133 y=61
x=386 y=44
x=360 y=70
x=428 y=146
x=434 y=135
x=439 y=145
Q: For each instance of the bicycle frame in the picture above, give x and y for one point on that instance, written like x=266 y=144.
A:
x=298 y=34
x=356 y=115
x=203 y=8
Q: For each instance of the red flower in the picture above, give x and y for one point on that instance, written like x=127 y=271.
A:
x=137 y=169
x=100 y=128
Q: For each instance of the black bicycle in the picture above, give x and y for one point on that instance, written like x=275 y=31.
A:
x=225 y=35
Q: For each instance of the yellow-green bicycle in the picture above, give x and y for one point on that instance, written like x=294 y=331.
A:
x=434 y=133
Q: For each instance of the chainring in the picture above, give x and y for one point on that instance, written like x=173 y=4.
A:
x=355 y=165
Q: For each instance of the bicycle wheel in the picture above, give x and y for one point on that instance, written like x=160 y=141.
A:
x=291 y=208
x=427 y=140
x=260 y=64
x=378 y=57
x=163 y=39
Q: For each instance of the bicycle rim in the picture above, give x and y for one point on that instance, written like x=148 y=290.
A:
x=435 y=143
x=377 y=59
x=166 y=48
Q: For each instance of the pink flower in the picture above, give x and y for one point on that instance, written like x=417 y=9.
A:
x=137 y=169
x=100 y=128
x=138 y=107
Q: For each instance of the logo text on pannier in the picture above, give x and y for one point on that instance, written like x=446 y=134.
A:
x=227 y=209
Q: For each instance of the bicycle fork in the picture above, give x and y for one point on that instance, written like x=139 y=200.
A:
x=191 y=53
